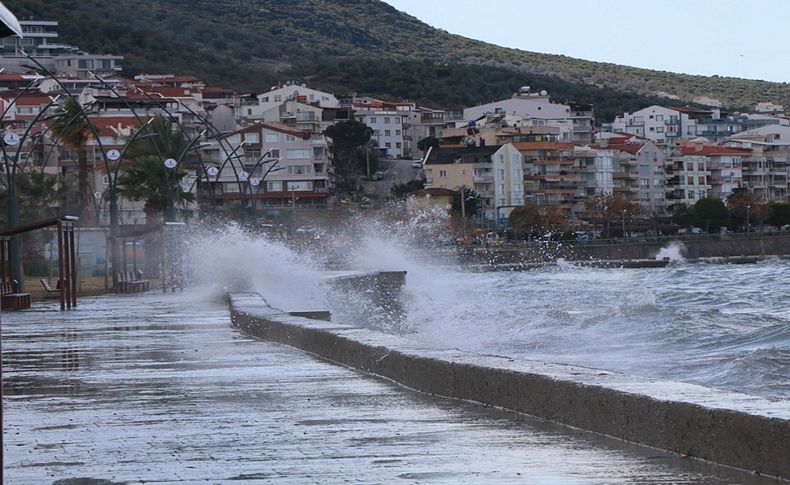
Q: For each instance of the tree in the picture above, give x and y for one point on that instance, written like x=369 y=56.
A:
x=682 y=215
x=36 y=192
x=710 y=213
x=472 y=201
x=346 y=137
x=747 y=205
x=778 y=214
x=425 y=143
x=400 y=191
x=145 y=178
x=73 y=127
x=525 y=218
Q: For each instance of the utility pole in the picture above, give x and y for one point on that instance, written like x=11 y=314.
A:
x=463 y=212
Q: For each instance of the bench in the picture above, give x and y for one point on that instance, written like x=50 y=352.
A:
x=51 y=292
x=132 y=282
x=11 y=299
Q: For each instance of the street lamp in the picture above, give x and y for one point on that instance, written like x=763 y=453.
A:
x=748 y=225
x=623 y=213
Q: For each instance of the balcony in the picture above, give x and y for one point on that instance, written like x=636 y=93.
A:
x=484 y=179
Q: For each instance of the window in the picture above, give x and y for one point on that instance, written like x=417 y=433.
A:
x=372 y=119
x=514 y=158
x=318 y=153
x=272 y=137
x=274 y=186
x=387 y=133
x=442 y=173
x=278 y=98
x=252 y=138
x=386 y=120
x=231 y=187
x=298 y=154
x=274 y=153
x=397 y=132
x=516 y=173
x=290 y=138
x=396 y=120
x=397 y=144
x=702 y=180
x=644 y=183
x=388 y=145
x=659 y=117
x=660 y=129
x=501 y=173
x=501 y=187
x=300 y=169
x=690 y=180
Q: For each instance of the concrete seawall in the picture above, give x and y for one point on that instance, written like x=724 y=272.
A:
x=724 y=427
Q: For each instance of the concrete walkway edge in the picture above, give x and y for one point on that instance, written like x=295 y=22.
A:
x=729 y=437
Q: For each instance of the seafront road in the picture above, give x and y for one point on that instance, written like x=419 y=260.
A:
x=159 y=388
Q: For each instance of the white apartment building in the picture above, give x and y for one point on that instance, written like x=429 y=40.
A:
x=508 y=173
x=596 y=170
x=278 y=95
x=539 y=110
x=688 y=178
x=388 y=129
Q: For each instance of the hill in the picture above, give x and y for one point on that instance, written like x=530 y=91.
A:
x=252 y=44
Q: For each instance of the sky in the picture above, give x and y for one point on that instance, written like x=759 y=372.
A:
x=739 y=38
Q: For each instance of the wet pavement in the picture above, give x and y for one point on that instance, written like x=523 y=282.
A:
x=159 y=388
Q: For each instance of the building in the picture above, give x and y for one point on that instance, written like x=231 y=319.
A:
x=291 y=166
x=577 y=119
x=473 y=167
x=289 y=92
x=40 y=41
x=83 y=64
x=725 y=165
x=638 y=171
x=549 y=175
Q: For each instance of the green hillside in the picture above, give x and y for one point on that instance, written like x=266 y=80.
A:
x=251 y=44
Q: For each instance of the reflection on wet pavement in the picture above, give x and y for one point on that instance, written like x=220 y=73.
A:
x=159 y=388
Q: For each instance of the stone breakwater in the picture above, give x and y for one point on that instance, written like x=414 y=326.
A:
x=728 y=428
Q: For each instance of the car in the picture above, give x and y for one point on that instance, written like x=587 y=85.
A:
x=377 y=176
x=416 y=164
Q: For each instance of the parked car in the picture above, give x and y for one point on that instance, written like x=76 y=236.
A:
x=416 y=164
x=377 y=176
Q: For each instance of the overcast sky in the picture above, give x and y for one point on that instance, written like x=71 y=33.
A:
x=740 y=38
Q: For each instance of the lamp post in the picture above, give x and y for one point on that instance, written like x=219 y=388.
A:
x=623 y=213
x=748 y=225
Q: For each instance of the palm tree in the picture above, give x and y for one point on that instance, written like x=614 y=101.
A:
x=146 y=178
x=73 y=127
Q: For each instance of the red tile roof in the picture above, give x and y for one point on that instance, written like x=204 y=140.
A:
x=543 y=145
x=713 y=150
x=34 y=100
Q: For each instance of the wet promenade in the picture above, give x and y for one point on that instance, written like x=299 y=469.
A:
x=159 y=389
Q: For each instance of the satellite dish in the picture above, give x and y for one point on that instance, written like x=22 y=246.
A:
x=544 y=93
x=113 y=154
x=171 y=163
x=97 y=195
x=255 y=181
x=212 y=171
x=243 y=175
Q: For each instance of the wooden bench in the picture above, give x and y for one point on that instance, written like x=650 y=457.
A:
x=11 y=299
x=51 y=292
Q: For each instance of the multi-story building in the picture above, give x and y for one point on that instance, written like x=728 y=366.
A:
x=289 y=92
x=40 y=41
x=388 y=127
x=669 y=125
x=638 y=171
x=473 y=167
x=279 y=166
x=508 y=175
x=725 y=165
x=549 y=175
x=766 y=169
x=537 y=107
x=595 y=167
x=688 y=178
